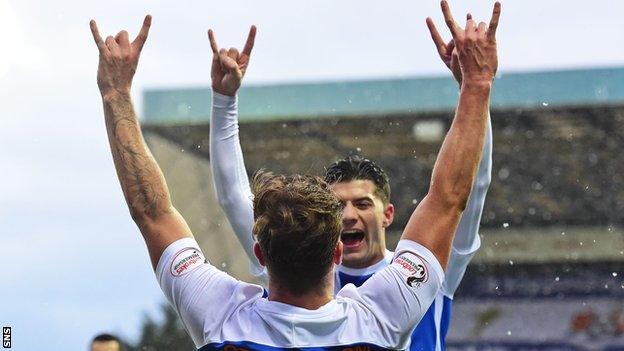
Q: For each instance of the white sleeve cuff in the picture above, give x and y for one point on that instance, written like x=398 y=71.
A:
x=223 y=101
x=476 y=244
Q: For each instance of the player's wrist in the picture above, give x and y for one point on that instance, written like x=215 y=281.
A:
x=222 y=101
x=225 y=91
x=113 y=95
x=476 y=84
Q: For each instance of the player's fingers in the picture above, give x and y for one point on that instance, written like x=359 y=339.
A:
x=481 y=29
x=249 y=44
x=243 y=63
x=471 y=28
x=97 y=37
x=436 y=37
x=450 y=49
x=213 y=42
x=448 y=18
x=122 y=39
x=112 y=46
x=227 y=63
x=469 y=16
x=223 y=53
x=140 y=39
x=233 y=54
x=111 y=42
x=216 y=61
x=494 y=21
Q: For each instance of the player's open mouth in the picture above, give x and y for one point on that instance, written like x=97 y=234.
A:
x=352 y=238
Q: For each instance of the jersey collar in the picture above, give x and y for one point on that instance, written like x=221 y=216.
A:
x=370 y=269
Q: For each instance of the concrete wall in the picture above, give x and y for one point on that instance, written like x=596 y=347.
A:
x=192 y=191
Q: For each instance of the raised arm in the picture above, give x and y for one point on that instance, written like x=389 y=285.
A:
x=229 y=175
x=226 y=156
x=467 y=240
x=141 y=179
x=435 y=220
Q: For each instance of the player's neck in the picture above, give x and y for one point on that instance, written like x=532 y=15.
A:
x=312 y=300
x=362 y=264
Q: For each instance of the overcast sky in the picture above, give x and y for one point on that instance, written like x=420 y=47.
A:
x=73 y=262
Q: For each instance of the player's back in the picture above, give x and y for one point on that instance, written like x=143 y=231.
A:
x=221 y=312
x=345 y=321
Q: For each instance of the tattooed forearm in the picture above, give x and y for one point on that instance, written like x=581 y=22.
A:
x=141 y=179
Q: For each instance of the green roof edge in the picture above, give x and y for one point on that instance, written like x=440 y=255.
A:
x=598 y=86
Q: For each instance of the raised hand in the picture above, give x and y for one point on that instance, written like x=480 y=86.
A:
x=118 y=58
x=447 y=51
x=229 y=66
x=475 y=46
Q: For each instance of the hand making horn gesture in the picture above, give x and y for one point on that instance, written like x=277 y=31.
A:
x=118 y=58
x=447 y=51
x=471 y=54
x=229 y=66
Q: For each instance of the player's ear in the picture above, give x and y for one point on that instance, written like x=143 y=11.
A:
x=388 y=215
x=338 y=253
x=258 y=254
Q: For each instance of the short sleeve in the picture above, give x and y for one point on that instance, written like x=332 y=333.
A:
x=400 y=294
x=192 y=285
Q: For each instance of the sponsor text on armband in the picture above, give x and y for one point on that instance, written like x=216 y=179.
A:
x=413 y=268
x=185 y=260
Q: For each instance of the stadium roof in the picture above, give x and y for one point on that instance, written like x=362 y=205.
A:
x=603 y=86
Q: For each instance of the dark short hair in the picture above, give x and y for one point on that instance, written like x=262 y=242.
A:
x=355 y=167
x=106 y=338
x=297 y=224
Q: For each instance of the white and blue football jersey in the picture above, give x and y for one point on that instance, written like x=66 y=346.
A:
x=430 y=333
x=235 y=198
x=222 y=313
